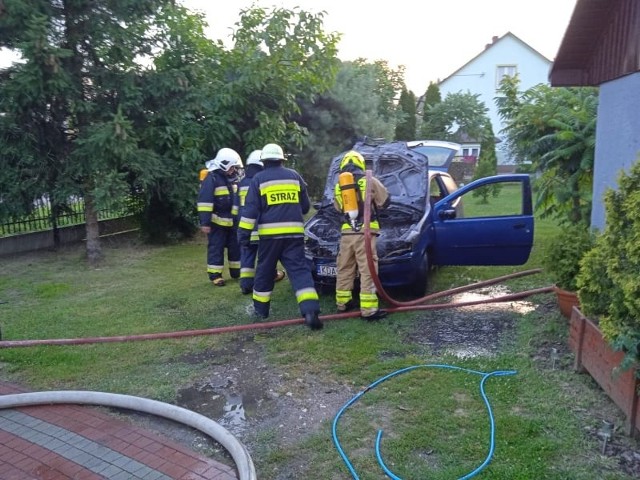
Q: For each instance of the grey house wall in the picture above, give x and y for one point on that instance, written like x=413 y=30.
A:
x=617 y=138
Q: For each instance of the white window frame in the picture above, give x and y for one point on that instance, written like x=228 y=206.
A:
x=505 y=71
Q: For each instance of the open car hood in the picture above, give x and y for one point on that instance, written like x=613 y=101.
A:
x=403 y=172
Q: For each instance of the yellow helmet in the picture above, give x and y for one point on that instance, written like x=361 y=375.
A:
x=353 y=157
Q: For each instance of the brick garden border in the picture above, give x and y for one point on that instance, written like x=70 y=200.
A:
x=594 y=355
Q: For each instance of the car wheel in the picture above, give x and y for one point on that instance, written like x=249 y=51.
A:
x=419 y=286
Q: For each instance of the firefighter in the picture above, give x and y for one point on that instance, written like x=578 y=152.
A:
x=249 y=253
x=218 y=211
x=276 y=202
x=352 y=256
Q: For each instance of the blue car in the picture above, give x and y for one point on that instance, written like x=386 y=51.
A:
x=427 y=223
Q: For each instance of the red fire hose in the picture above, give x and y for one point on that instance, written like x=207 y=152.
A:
x=396 y=303
x=397 y=306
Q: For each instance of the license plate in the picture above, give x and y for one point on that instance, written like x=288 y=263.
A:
x=327 y=270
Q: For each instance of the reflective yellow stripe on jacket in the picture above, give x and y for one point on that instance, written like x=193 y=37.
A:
x=281 y=191
x=247 y=223
x=222 y=221
x=243 y=194
x=205 y=207
x=280 y=228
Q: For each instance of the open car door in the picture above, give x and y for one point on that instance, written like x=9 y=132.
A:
x=498 y=232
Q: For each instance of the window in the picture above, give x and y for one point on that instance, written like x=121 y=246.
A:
x=470 y=152
x=505 y=71
x=494 y=200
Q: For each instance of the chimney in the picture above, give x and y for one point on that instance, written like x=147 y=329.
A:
x=494 y=39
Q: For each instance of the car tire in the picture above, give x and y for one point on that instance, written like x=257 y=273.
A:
x=418 y=287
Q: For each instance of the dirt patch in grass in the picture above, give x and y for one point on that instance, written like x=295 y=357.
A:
x=268 y=409
x=252 y=398
x=264 y=407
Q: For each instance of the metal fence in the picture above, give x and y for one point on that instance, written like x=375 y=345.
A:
x=42 y=217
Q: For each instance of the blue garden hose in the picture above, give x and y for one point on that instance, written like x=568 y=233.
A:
x=379 y=436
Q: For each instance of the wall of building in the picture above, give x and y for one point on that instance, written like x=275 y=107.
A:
x=617 y=138
x=479 y=77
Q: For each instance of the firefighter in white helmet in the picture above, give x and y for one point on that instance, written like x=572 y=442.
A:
x=249 y=253
x=218 y=211
x=349 y=196
x=276 y=202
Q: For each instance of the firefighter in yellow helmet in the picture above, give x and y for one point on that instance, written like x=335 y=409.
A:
x=349 y=196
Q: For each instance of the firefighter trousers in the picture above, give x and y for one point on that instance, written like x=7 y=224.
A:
x=219 y=239
x=290 y=252
x=352 y=258
x=248 y=257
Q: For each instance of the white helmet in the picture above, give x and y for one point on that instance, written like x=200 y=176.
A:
x=210 y=164
x=227 y=158
x=271 y=151
x=254 y=158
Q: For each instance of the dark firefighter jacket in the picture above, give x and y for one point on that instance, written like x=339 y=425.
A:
x=217 y=200
x=276 y=202
x=250 y=172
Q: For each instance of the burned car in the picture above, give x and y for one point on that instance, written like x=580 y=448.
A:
x=425 y=224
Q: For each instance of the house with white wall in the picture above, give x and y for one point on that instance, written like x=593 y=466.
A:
x=504 y=56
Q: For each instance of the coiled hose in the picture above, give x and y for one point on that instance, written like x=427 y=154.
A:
x=238 y=451
x=381 y=462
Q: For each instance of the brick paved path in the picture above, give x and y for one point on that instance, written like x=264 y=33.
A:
x=60 y=442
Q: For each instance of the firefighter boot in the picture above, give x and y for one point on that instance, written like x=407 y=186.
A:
x=312 y=321
x=280 y=275
x=377 y=315
x=347 y=307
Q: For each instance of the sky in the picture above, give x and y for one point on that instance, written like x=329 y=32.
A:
x=431 y=38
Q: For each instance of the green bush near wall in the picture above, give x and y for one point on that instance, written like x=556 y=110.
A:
x=609 y=279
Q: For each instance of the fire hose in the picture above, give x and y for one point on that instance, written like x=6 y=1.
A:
x=238 y=451
x=400 y=306
x=396 y=306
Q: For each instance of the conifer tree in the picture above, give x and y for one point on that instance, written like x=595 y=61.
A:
x=406 y=127
x=487 y=165
x=431 y=97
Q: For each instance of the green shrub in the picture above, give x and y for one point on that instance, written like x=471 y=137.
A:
x=595 y=288
x=564 y=253
x=526 y=168
x=609 y=280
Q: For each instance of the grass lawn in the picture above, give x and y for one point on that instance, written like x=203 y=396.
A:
x=434 y=419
